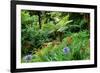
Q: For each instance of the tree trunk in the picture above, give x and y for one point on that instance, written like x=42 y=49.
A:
x=39 y=18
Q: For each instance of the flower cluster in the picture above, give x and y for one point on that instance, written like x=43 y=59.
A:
x=66 y=50
x=27 y=58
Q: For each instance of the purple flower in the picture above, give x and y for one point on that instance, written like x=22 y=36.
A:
x=66 y=50
x=27 y=58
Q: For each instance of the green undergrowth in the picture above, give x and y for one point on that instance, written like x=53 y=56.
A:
x=78 y=44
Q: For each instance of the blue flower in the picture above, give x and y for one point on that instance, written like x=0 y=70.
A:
x=27 y=58
x=66 y=50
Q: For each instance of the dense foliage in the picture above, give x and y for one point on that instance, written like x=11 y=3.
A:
x=55 y=36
